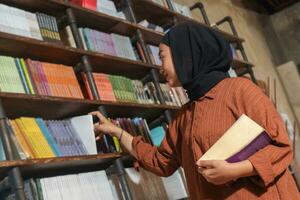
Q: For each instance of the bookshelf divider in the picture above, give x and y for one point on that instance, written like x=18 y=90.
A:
x=14 y=175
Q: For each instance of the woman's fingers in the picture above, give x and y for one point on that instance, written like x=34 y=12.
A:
x=99 y=115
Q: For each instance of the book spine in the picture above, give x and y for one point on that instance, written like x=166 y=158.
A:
x=258 y=143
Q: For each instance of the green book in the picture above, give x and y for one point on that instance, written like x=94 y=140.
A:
x=27 y=77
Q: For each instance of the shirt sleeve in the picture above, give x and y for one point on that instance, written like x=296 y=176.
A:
x=274 y=159
x=161 y=160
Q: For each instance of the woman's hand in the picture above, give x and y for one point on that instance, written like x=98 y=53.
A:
x=104 y=126
x=217 y=172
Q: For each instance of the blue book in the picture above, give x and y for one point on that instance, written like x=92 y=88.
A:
x=157 y=135
x=2 y=153
x=22 y=75
x=48 y=136
x=87 y=37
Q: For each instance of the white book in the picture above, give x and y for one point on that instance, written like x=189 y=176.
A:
x=174 y=186
x=108 y=5
x=123 y=46
x=236 y=138
x=232 y=72
x=102 y=184
x=85 y=185
x=84 y=127
x=34 y=26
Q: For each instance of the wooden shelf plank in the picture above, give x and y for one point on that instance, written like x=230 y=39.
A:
x=18 y=46
x=59 y=165
x=48 y=107
x=52 y=7
x=159 y=15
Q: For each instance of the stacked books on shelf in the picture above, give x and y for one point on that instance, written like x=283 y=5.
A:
x=35 y=77
x=90 y=185
x=154 y=54
x=33 y=25
x=112 y=44
x=121 y=89
x=174 y=96
x=149 y=25
x=108 y=7
x=118 y=88
x=38 y=138
x=182 y=9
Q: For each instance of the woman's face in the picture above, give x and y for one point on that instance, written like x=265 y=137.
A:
x=168 y=69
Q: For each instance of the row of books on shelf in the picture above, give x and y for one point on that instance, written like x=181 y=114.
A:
x=39 y=26
x=44 y=27
x=28 y=76
x=39 y=138
x=119 y=88
x=112 y=44
x=90 y=185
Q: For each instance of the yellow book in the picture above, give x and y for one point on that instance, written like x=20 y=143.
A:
x=22 y=140
x=38 y=140
x=29 y=140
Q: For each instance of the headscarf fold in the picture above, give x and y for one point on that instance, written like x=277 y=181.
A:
x=201 y=57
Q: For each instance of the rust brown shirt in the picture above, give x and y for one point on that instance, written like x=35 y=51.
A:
x=201 y=123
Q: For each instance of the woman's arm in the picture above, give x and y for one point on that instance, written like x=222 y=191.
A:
x=159 y=160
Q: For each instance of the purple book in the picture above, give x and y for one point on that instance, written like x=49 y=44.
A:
x=258 y=143
x=51 y=127
x=44 y=81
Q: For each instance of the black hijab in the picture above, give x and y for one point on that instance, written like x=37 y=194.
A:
x=201 y=57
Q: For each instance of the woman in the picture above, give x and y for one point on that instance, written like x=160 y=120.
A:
x=198 y=59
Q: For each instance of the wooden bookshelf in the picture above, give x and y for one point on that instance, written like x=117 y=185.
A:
x=18 y=46
x=49 y=107
x=59 y=165
x=160 y=15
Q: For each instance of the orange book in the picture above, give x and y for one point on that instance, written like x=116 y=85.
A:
x=73 y=84
x=104 y=87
